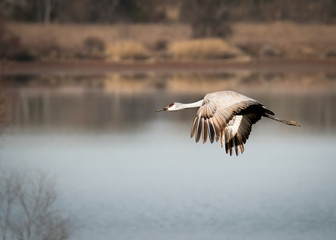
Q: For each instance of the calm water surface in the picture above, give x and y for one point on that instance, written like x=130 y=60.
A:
x=126 y=172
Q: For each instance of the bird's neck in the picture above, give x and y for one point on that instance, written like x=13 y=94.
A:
x=191 y=105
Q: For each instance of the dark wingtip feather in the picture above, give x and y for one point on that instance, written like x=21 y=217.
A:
x=199 y=130
x=205 y=130
x=231 y=150
x=236 y=146
x=211 y=131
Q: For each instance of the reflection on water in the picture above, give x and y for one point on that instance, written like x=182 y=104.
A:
x=99 y=109
x=127 y=172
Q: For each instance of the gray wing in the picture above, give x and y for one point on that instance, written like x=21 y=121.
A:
x=227 y=116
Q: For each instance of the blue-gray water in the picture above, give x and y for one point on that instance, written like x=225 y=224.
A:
x=126 y=172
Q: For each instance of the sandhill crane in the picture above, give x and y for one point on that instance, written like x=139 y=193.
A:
x=228 y=116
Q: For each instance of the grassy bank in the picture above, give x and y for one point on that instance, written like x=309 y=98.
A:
x=157 y=42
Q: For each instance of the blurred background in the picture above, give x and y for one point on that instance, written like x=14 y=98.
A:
x=84 y=155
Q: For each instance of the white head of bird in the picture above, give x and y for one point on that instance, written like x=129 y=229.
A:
x=171 y=107
x=176 y=106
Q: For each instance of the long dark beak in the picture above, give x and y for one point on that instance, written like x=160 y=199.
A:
x=163 y=109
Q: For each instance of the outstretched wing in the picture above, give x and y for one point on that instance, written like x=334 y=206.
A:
x=227 y=116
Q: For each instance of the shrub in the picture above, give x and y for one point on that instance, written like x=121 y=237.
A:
x=161 y=45
x=126 y=50
x=47 y=50
x=94 y=45
x=9 y=42
x=330 y=52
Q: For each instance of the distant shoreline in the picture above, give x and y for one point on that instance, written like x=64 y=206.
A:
x=101 y=67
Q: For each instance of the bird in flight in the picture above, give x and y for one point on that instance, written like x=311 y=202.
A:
x=226 y=116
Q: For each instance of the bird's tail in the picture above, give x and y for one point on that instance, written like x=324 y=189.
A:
x=292 y=123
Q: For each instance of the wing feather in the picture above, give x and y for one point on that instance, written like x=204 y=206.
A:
x=227 y=116
x=236 y=145
x=199 y=131
x=239 y=129
x=211 y=130
x=205 y=130
x=194 y=127
x=217 y=127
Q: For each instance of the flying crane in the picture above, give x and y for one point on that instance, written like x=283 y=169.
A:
x=226 y=116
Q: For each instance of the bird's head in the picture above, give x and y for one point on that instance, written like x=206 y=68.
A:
x=171 y=107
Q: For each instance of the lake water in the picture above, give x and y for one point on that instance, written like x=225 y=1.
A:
x=126 y=172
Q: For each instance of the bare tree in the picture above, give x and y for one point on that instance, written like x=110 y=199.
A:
x=44 y=10
x=47 y=10
x=208 y=18
x=8 y=188
x=105 y=10
x=207 y=15
x=28 y=208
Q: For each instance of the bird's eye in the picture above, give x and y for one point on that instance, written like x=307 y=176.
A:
x=172 y=104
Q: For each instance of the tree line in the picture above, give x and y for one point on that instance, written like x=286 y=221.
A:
x=140 y=11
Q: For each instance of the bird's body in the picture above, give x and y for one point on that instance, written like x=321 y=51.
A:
x=226 y=116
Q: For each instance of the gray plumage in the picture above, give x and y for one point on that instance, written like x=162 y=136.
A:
x=226 y=116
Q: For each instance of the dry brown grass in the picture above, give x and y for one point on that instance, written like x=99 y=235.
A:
x=210 y=48
x=293 y=39
x=286 y=39
x=283 y=33
x=126 y=50
x=72 y=36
